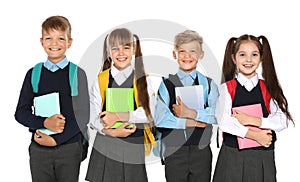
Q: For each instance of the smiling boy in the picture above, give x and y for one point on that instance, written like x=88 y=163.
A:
x=55 y=157
x=188 y=155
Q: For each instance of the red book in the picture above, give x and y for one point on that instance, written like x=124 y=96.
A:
x=252 y=110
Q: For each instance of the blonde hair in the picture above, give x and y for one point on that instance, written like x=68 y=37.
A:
x=187 y=36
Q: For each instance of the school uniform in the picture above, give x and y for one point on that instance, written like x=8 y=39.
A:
x=252 y=164
x=62 y=162
x=187 y=155
x=112 y=158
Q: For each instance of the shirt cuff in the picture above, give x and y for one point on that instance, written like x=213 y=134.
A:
x=137 y=116
x=264 y=122
x=204 y=117
x=181 y=123
x=243 y=131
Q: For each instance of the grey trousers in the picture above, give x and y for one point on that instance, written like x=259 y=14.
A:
x=188 y=164
x=55 y=164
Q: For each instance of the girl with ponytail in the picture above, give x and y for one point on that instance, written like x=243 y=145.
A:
x=118 y=153
x=242 y=87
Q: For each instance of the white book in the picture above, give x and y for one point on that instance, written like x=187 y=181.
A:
x=46 y=106
x=191 y=96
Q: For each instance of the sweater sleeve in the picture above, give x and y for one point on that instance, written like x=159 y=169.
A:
x=24 y=111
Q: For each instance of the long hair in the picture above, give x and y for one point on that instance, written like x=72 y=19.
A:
x=123 y=36
x=268 y=67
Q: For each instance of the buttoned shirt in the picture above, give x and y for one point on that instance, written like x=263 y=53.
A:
x=54 y=67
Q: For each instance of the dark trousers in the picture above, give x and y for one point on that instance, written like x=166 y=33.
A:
x=55 y=164
x=188 y=164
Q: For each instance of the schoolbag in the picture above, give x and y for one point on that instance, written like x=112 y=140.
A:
x=149 y=141
x=73 y=81
x=231 y=87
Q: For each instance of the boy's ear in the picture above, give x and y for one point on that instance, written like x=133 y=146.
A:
x=174 y=54
x=201 y=55
x=41 y=40
x=70 y=42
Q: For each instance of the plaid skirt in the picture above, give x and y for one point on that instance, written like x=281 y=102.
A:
x=117 y=160
x=248 y=165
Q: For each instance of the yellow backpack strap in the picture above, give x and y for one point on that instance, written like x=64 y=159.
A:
x=103 y=79
x=149 y=140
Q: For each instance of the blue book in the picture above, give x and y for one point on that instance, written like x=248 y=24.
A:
x=46 y=106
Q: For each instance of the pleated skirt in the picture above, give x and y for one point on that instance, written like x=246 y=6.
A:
x=248 y=165
x=117 y=160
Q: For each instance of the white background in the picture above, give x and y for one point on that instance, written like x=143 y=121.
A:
x=215 y=20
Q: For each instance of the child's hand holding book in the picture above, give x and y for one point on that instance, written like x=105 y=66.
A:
x=182 y=111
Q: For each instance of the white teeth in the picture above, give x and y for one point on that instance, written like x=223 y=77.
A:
x=121 y=59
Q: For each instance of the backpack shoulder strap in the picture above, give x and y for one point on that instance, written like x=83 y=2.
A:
x=103 y=79
x=174 y=79
x=208 y=90
x=231 y=87
x=209 y=82
x=265 y=93
x=205 y=82
x=35 y=76
x=73 y=79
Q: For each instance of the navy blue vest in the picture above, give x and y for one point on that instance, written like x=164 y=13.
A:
x=243 y=97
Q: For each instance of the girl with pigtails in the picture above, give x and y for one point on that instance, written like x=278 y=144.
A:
x=242 y=87
x=119 y=154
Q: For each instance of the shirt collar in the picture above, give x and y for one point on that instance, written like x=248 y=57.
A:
x=126 y=72
x=54 y=67
x=181 y=74
x=242 y=79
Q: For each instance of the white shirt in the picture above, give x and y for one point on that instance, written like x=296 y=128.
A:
x=136 y=116
x=276 y=120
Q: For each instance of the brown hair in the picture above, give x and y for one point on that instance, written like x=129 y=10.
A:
x=57 y=23
x=268 y=67
x=123 y=36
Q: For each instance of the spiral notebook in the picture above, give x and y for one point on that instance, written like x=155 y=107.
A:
x=119 y=100
x=46 y=106
x=252 y=110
